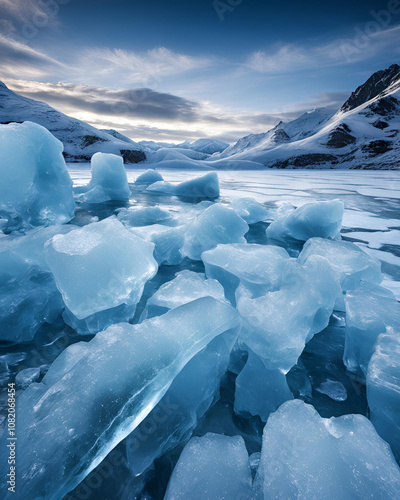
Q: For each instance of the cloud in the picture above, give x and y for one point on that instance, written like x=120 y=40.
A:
x=18 y=60
x=145 y=68
x=289 y=58
x=142 y=103
x=28 y=16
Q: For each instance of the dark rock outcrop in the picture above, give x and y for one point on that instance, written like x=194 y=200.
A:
x=376 y=84
x=340 y=137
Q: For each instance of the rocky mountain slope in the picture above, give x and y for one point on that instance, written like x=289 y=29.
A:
x=364 y=133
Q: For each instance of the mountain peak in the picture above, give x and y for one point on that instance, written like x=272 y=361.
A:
x=376 y=84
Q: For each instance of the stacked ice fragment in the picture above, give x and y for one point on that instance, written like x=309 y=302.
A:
x=196 y=374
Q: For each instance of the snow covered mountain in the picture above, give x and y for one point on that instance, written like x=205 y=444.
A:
x=80 y=140
x=364 y=133
x=207 y=146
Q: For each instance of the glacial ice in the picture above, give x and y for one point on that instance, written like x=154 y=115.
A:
x=264 y=396
x=26 y=377
x=317 y=219
x=149 y=177
x=35 y=187
x=350 y=262
x=184 y=288
x=370 y=311
x=383 y=388
x=258 y=268
x=280 y=323
x=189 y=397
x=144 y=216
x=168 y=242
x=250 y=210
x=217 y=224
x=109 y=180
x=305 y=456
x=28 y=294
x=211 y=467
x=101 y=269
x=205 y=186
x=121 y=374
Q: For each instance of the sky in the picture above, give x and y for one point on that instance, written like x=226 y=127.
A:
x=174 y=70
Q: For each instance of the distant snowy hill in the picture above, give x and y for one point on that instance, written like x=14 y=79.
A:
x=364 y=133
x=80 y=140
x=207 y=146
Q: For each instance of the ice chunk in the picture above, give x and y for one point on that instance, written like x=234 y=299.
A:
x=317 y=219
x=187 y=286
x=168 y=242
x=280 y=323
x=260 y=391
x=351 y=263
x=333 y=389
x=370 y=310
x=122 y=374
x=383 y=389
x=191 y=394
x=211 y=467
x=305 y=456
x=149 y=177
x=35 y=184
x=217 y=224
x=109 y=180
x=28 y=293
x=98 y=268
x=250 y=210
x=257 y=267
x=206 y=186
x=27 y=377
x=144 y=216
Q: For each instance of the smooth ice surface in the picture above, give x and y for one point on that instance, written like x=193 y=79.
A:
x=217 y=224
x=149 y=177
x=143 y=216
x=305 y=456
x=383 y=388
x=317 y=219
x=260 y=391
x=370 y=311
x=187 y=286
x=280 y=323
x=191 y=394
x=250 y=210
x=258 y=268
x=206 y=186
x=210 y=467
x=100 y=266
x=109 y=180
x=122 y=373
x=35 y=184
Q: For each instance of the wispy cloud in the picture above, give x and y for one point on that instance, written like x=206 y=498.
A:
x=145 y=68
x=19 y=60
x=291 y=58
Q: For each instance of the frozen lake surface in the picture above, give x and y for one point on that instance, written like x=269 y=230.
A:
x=371 y=198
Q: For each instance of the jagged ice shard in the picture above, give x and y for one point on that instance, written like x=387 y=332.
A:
x=122 y=373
